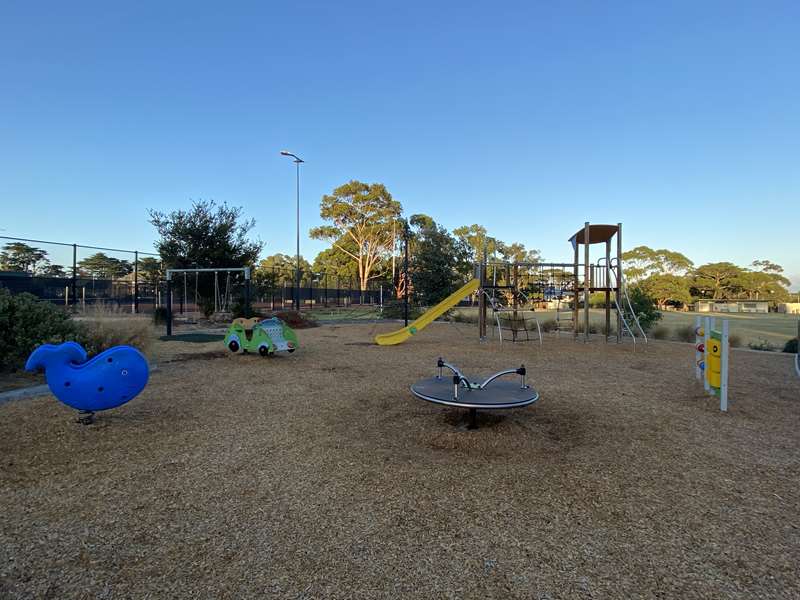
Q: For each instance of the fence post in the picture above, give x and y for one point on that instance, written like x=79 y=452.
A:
x=74 y=275
x=135 y=281
x=169 y=306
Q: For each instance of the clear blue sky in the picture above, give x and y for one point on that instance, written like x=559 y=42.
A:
x=680 y=119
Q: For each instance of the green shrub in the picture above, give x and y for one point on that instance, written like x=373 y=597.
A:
x=548 y=325
x=160 y=316
x=394 y=310
x=101 y=333
x=660 y=332
x=763 y=345
x=685 y=333
x=645 y=308
x=27 y=322
x=239 y=310
x=734 y=340
x=791 y=346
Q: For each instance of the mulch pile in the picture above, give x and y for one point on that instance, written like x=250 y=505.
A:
x=319 y=475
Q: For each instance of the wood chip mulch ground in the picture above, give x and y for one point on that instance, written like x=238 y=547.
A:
x=319 y=475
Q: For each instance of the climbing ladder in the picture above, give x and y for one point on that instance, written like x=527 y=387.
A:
x=565 y=314
x=626 y=316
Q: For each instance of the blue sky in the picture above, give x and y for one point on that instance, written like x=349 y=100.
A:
x=680 y=119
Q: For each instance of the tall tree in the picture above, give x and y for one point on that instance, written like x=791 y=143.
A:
x=18 y=256
x=476 y=238
x=642 y=262
x=207 y=235
x=150 y=270
x=103 y=266
x=717 y=280
x=436 y=257
x=280 y=268
x=666 y=288
x=365 y=213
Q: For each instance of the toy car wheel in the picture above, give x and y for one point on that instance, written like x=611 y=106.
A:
x=233 y=346
x=263 y=351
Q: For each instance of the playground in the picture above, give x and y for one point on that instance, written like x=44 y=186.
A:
x=319 y=474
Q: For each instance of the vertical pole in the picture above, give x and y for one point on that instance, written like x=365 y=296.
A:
x=66 y=295
x=135 y=281
x=272 y=290
x=608 y=288
x=698 y=323
x=723 y=386
x=247 y=311
x=74 y=274
x=326 y=289
x=405 y=276
x=169 y=304
x=575 y=292
x=706 y=337
x=297 y=305
x=586 y=282
x=619 y=282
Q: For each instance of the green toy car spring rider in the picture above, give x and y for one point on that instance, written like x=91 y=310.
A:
x=265 y=336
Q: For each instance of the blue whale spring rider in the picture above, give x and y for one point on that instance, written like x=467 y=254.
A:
x=110 y=379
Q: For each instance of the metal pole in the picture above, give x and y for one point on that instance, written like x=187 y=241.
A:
x=723 y=386
x=608 y=289
x=297 y=305
x=586 y=282
x=405 y=276
x=74 y=275
x=169 y=306
x=620 y=282
x=136 y=281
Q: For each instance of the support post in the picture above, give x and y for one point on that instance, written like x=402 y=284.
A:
x=169 y=305
x=619 y=282
x=482 y=302
x=698 y=356
x=723 y=386
x=247 y=311
x=586 y=282
x=707 y=325
x=405 y=277
x=575 y=292
x=135 y=282
x=608 y=289
x=74 y=275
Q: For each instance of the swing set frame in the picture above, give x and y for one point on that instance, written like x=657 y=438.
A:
x=215 y=270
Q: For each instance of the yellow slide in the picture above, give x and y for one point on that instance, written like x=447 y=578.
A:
x=401 y=335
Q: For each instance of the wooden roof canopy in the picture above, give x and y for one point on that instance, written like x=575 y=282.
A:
x=597 y=234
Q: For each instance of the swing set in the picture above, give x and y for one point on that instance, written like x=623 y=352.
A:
x=222 y=299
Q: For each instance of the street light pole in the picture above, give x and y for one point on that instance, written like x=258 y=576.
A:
x=297 y=161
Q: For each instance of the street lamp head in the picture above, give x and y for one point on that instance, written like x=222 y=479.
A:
x=296 y=158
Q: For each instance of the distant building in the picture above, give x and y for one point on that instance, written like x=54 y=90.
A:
x=732 y=306
x=790 y=308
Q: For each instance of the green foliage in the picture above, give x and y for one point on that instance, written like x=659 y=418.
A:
x=150 y=270
x=101 y=266
x=240 y=310
x=667 y=289
x=660 y=332
x=734 y=340
x=762 y=345
x=18 y=256
x=208 y=235
x=791 y=346
x=394 y=310
x=435 y=261
x=160 y=315
x=277 y=270
x=717 y=280
x=367 y=215
x=26 y=322
x=686 y=333
x=643 y=262
x=644 y=306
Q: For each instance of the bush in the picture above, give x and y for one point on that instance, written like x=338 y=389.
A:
x=27 y=322
x=295 y=319
x=239 y=310
x=394 y=310
x=101 y=333
x=685 y=333
x=734 y=340
x=763 y=345
x=791 y=346
x=160 y=315
x=660 y=332
x=645 y=308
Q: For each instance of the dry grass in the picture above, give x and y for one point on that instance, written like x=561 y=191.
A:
x=318 y=475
